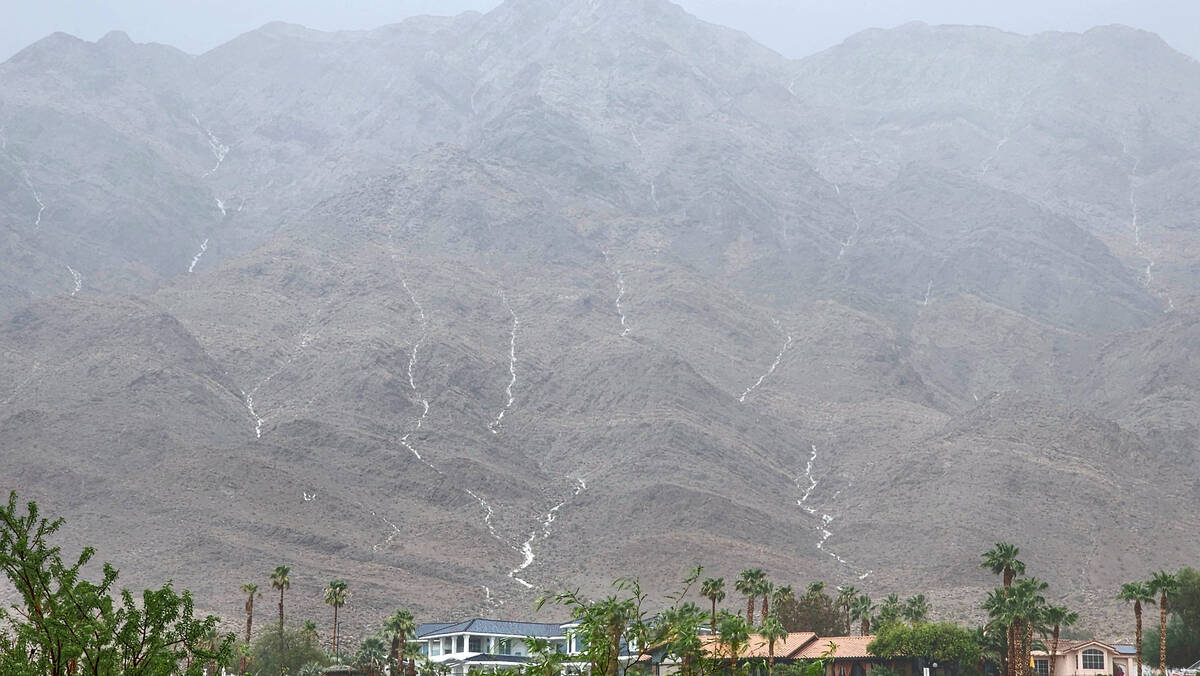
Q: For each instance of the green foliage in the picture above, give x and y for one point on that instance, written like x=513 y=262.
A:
x=65 y=623
x=371 y=656
x=941 y=642
x=1183 y=644
x=275 y=652
x=815 y=611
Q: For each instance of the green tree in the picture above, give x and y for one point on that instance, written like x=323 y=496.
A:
x=281 y=580
x=250 y=590
x=940 y=642
x=747 y=584
x=285 y=652
x=765 y=588
x=861 y=610
x=399 y=626
x=1058 y=617
x=733 y=633
x=1002 y=560
x=891 y=610
x=845 y=598
x=713 y=589
x=1163 y=584
x=336 y=594
x=1137 y=593
x=64 y=624
x=371 y=656
x=915 y=609
x=815 y=612
x=772 y=631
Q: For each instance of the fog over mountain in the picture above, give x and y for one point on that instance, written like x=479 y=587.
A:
x=463 y=308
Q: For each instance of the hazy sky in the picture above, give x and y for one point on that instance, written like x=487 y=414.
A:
x=793 y=27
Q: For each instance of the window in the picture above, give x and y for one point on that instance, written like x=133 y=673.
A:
x=475 y=644
x=857 y=670
x=435 y=647
x=1093 y=659
x=460 y=644
x=1041 y=667
x=505 y=647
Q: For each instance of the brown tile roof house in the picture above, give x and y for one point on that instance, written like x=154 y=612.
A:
x=843 y=647
x=848 y=654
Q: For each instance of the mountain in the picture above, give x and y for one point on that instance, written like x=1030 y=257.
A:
x=461 y=308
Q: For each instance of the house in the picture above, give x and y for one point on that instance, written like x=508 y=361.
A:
x=846 y=655
x=484 y=644
x=1087 y=658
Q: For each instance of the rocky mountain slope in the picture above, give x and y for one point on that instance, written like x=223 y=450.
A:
x=458 y=309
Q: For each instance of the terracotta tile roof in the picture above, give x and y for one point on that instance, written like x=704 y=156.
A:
x=843 y=647
x=757 y=646
x=1067 y=646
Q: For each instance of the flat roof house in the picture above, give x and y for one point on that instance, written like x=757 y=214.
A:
x=482 y=644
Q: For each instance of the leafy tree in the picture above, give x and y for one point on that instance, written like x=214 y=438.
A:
x=286 y=652
x=915 y=609
x=1137 y=592
x=713 y=589
x=250 y=590
x=281 y=580
x=772 y=631
x=815 y=612
x=399 y=627
x=1058 y=617
x=747 y=584
x=65 y=624
x=679 y=636
x=336 y=595
x=1183 y=643
x=1163 y=584
x=940 y=642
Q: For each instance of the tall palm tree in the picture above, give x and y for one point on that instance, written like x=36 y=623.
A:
x=400 y=625
x=861 y=609
x=336 y=595
x=733 y=633
x=1029 y=604
x=772 y=630
x=281 y=580
x=915 y=609
x=1058 y=617
x=1003 y=611
x=1002 y=560
x=814 y=589
x=371 y=656
x=1163 y=584
x=845 y=597
x=1137 y=592
x=747 y=584
x=889 y=610
x=765 y=589
x=782 y=594
x=250 y=590
x=713 y=589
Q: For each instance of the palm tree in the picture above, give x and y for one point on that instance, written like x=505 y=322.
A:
x=309 y=631
x=1137 y=592
x=1028 y=605
x=861 y=609
x=1003 y=612
x=845 y=597
x=400 y=625
x=814 y=589
x=280 y=580
x=336 y=595
x=772 y=630
x=889 y=610
x=371 y=656
x=747 y=584
x=1002 y=560
x=734 y=633
x=1163 y=584
x=713 y=589
x=1058 y=617
x=765 y=589
x=915 y=609
x=250 y=590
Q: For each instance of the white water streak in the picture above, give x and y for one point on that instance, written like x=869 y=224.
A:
x=849 y=241
x=1135 y=225
x=412 y=382
x=654 y=195
x=928 y=288
x=527 y=546
x=496 y=424
x=771 y=369
x=218 y=149
x=248 y=401
x=826 y=519
x=196 y=258
x=391 y=537
x=77 y=279
x=37 y=221
x=620 y=294
x=220 y=205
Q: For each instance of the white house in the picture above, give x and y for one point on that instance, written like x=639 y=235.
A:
x=483 y=644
